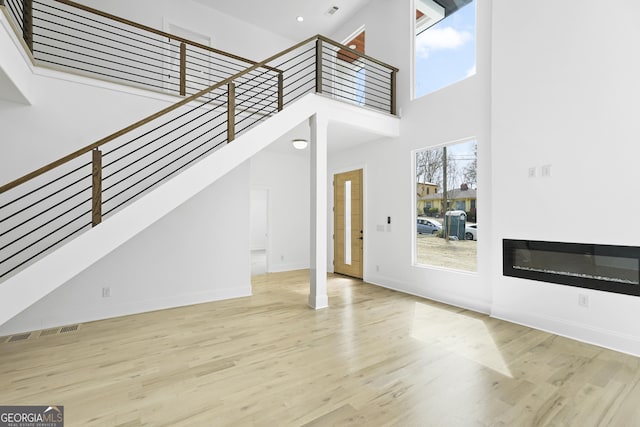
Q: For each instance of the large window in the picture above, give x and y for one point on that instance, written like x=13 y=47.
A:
x=446 y=199
x=445 y=44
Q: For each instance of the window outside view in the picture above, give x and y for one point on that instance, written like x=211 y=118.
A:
x=446 y=202
x=445 y=53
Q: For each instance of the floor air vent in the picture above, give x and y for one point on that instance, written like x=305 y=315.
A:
x=43 y=333
x=20 y=337
x=71 y=328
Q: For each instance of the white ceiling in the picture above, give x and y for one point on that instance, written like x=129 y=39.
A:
x=279 y=16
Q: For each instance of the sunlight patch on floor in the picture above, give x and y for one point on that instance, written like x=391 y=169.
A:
x=462 y=335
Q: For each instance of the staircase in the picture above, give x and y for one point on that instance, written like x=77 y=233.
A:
x=75 y=210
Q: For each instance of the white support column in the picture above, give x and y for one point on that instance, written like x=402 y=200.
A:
x=318 y=146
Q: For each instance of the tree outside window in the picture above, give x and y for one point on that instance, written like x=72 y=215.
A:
x=451 y=170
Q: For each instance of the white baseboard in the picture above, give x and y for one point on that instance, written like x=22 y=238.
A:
x=601 y=337
x=280 y=268
x=480 y=306
x=107 y=311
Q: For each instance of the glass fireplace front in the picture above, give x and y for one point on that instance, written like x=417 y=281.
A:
x=602 y=267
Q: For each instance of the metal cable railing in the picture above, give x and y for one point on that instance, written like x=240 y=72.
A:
x=16 y=10
x=51 y=205
x=355 y=79
x=73 y=37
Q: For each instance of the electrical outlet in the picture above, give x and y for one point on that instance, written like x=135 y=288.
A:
x=546 y=170
x=377 y=269
x=106 y=292
x=532 y=172
x=583 y=300
x=281 y=257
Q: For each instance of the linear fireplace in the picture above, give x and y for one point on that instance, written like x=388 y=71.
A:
x=602 y=267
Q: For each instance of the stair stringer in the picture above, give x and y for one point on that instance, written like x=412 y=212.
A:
x=55 y=269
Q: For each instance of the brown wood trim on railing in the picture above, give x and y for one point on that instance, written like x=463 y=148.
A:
x=393 y=104
x=96 y=187
x=355 y=52
x=318 y=65
x=231 y=112
x=167 y=110
x=27 y=23
x=280 y=91
x=183 y=69
x=158 y=32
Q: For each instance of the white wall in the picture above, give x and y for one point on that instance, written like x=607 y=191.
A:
x=566 y=94
x=456 y=112
x=286 y=176
x=67 y=113
x=562 y=94
x=197 y=253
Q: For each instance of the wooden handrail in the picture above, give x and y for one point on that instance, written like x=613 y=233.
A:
x=169 y=109
x=155 y=31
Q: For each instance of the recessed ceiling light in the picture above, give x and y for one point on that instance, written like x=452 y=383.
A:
x=352 y=46
x=299 y=19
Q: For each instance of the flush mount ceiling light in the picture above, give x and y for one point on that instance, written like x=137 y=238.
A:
x=299 y=19
x=300 y=144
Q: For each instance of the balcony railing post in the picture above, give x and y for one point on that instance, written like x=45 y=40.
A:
x=183 y=69
x=231 y=112
x=96 y=188
x=280 y=91
x=392 y=89
x=318 y=66
x=27 y=23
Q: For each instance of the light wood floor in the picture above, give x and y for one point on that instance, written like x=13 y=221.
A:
x=375 y=358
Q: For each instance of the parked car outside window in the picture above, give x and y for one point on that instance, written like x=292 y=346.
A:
x=471 y=232
x=428 y=226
